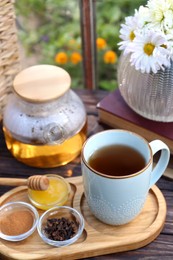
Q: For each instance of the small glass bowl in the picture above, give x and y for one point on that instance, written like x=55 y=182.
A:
x=17 y=206
x=61 y=212
x=57 y=193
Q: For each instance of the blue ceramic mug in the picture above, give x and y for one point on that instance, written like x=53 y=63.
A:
x=117 y=200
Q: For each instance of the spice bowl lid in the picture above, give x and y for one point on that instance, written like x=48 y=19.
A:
x=60 y=226
x=18 y=220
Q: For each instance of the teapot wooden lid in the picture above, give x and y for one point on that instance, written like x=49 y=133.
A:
x=41 y=83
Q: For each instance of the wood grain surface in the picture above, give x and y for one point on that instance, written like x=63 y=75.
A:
x=161 y=248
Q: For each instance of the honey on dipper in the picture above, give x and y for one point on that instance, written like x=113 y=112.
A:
x=56 y=194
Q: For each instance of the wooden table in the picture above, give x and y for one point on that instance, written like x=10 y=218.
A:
x=161 y=247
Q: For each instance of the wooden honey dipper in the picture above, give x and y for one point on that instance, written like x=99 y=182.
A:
x=35 y=182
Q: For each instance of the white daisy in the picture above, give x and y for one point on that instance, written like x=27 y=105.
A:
x=161 y=13
x=168 y=20
x=170 y=35
x=127 y=31
x=142 y=16
x=159 y=7
x=149 y=52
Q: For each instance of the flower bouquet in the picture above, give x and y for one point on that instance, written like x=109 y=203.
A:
x=145 y=70
x=148 y=36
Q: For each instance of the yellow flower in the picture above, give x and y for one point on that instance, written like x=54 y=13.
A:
x=76 y=57
x=110 y=57
x=101 y=43
x=61 y=58
x=72 y=42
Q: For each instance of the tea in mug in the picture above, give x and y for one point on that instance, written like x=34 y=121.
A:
x=117 y=160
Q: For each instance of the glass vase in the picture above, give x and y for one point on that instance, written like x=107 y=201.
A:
x=148 y=94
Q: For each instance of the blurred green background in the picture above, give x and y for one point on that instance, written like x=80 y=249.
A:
x=49 y=31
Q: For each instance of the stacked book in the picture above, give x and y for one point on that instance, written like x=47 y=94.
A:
x=114 y=112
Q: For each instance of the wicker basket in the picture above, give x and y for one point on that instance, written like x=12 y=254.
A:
x=9 y=50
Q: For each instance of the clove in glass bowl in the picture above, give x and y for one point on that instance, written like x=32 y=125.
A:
x=60 y=226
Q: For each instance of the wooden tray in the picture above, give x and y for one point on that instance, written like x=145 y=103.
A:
x=97 y=238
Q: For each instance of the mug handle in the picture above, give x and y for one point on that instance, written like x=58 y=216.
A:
x=161 y=165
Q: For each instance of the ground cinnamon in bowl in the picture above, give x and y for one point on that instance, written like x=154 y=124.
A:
x=18 y=220
x=16 y=223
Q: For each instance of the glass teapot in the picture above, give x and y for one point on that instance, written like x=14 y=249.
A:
x=44 y=121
